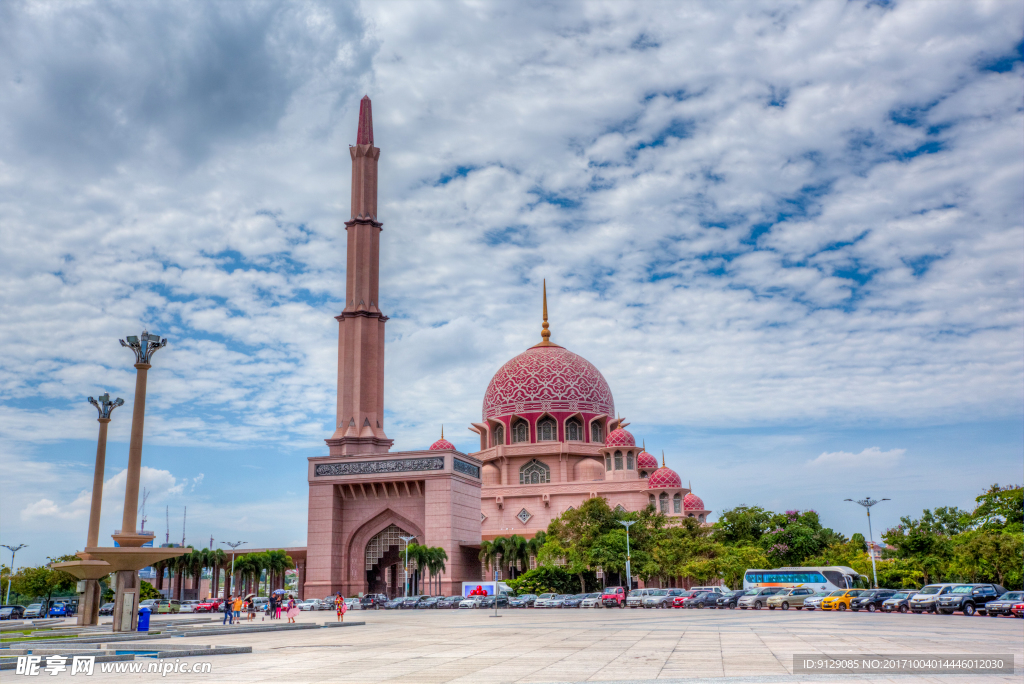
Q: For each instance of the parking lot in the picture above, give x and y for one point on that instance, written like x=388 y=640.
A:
x=470 y=646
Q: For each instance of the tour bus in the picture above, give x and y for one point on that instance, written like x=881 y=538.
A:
x=824 y=578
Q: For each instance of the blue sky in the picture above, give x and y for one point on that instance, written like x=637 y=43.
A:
x=789 y=235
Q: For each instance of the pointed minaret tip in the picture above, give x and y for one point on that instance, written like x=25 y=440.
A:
x=442 y=430
x=364 y=136
x=545 y=334
x=662 y=458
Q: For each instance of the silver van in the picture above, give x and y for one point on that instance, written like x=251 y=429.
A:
x=757 y=598
x=637 y=596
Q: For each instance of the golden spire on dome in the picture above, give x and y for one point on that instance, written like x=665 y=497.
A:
x=442 y=430
x=545 y=333
x=662 y=458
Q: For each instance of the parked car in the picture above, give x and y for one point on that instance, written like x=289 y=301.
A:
x=471 y=602
x=449 y=602
x=107 y=609
x=926 y=600
x=814 y=602
x=573 y=601
x=1018 y=610
x=34 y=610
x=591 y=600
x=261 y=604
x=637 y=596
x=679 y=601
x=210 y=605
x=898 y=602
x=489 y=601
x=969 y=598
x=840 y=599
x=542 y=600
x=871 y=600
x=524 y=601
x=375 y=601
x=430 y=602
x=59 y=610
x=700 y=600
x=12 y=612
x=757 y=598
x=558 y=600
x=661 y=598
x=395 y=603
x=613 y=597
x=413 y=601
x=791 y=597
x=716 y=590
x=188 y=607
x=166 y=606
x=728 y=599
x=1004 y=604
x=310 y=604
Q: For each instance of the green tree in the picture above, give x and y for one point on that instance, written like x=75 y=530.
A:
x=147 y=591
x=926 y=544
x=552 y=578
x=743 y=524
x=1000 y=508
x=43 y=581
x=571 y=537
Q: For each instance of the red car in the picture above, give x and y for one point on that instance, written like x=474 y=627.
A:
x=677 y=602
x=208 y=606
x=1018 y=610
x=613 y=597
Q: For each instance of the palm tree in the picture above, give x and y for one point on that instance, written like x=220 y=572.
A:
x=217 y=559
x=516 y=552
x=533 y=547
x=436 y=564
x=488 y=552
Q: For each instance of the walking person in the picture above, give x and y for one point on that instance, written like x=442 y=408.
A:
x=237 y=606
x=228 y=615
x=339 y=602
x=293 y=610
x=277 y=608
x=252 y=609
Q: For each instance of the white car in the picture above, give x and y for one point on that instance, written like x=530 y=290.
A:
x=188 y=606
x=717 y=590
x=544 y=600
x=635 y=599
x=814 y=602
x=353 y=604
x=310 y=604
x=470 y=602
x=592 y=601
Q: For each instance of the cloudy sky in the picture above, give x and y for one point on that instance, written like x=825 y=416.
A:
x=789 y=235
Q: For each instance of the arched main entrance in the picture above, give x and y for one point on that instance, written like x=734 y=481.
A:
x=384 y=569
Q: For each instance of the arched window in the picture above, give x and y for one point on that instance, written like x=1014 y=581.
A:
x=650 y=499
x=573 y=430
x=690 y=515
x=630 y=461
x=643 y=473
x=608 y=461
x=618 y=460
x=534 y=472
x=499 y=435
x=596 y=433
x=663 y=502
x=700 y=517
x=547 y=431
x=677 y=503
x=620 y=508
x=520 y=432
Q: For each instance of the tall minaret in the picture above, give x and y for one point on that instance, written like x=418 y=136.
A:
x=360 y=424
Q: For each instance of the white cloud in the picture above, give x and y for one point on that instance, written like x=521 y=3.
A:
x=872 y=457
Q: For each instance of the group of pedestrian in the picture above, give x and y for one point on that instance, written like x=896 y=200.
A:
x=279 y=603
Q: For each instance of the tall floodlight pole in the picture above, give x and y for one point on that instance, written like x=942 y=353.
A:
x=144 y=347
x=867 y=502
x=233 y=545
x=105 y=407
x=407 y=540
x=13 y=550
x=629 y=574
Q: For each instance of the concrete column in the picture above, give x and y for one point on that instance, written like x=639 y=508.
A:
x=126 y=601
x=131 y=490
x=93 y=535
x=300 y=578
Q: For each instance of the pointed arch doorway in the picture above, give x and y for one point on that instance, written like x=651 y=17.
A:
x=384 y=561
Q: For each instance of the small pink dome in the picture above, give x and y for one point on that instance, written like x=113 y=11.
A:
x=619 y=438
x=692 y=502
x=664 y=478
x=645 y=461
x=441 y=445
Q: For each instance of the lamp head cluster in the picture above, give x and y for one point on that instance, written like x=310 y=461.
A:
x=867 y=501
x=105 y=406
x=144 y=346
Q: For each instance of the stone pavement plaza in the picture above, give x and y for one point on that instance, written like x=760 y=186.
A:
x=469 y=646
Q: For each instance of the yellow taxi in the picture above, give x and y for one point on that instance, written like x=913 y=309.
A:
x=840 y=599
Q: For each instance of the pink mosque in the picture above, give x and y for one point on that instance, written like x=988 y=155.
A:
x=549 y=440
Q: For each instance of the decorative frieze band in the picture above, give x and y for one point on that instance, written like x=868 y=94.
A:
x=403 y=465
x=466 y=468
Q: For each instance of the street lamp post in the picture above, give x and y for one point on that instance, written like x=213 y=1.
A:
x=629 y=573
x=407 y=540
x=13 y=550
x=233 y=545
x=867 y=502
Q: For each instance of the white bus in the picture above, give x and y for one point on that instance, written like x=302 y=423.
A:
x=824 y=578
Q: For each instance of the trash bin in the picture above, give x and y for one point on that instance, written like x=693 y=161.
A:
x=143 y=619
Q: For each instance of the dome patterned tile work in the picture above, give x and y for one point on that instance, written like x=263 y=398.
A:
x=441 y=445
x=548 y=378
x=692 y=502
x=620 y=438
x=664 y=478
x=646 y=461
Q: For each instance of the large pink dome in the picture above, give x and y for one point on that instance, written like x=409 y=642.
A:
x=664 y=478
x=547 y=378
